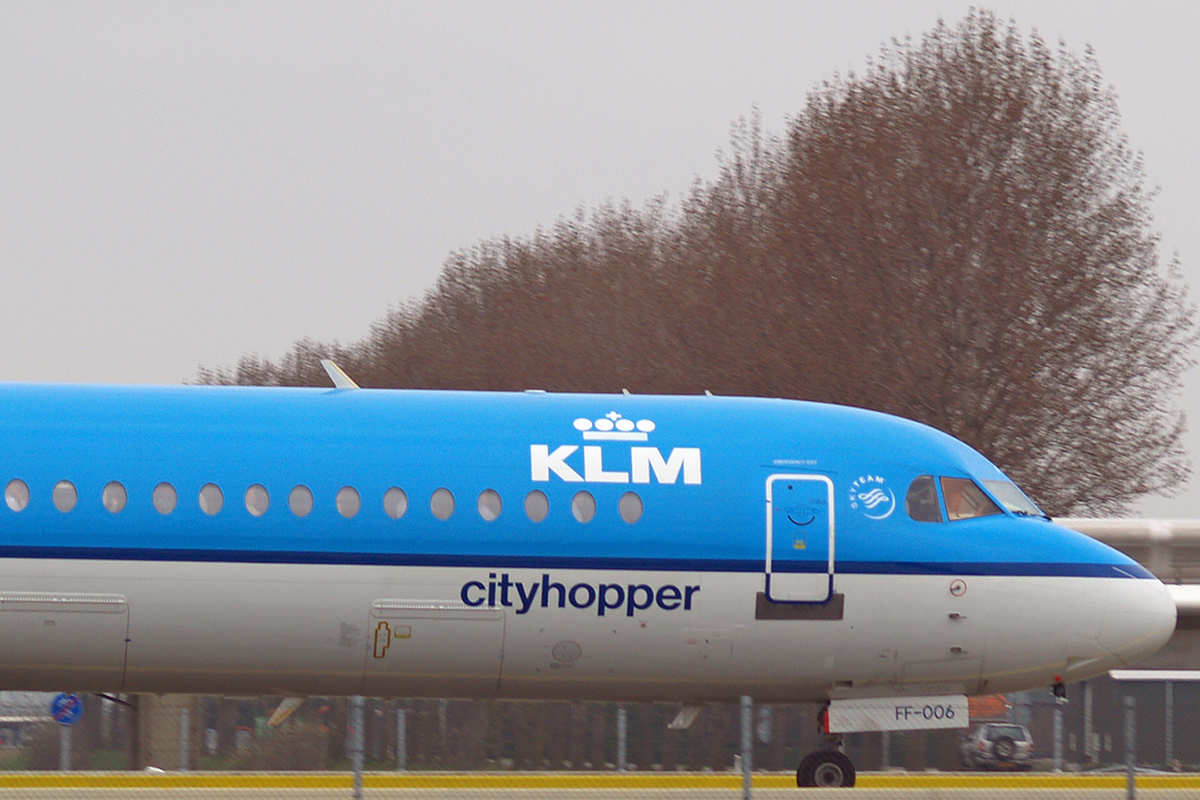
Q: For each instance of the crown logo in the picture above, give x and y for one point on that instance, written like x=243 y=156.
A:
x=614 y=427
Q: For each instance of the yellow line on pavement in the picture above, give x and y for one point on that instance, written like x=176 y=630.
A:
x=568 y=780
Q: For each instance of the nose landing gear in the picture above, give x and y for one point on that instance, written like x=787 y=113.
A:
x=829 y=767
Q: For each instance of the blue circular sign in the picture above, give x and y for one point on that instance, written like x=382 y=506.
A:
x=66 y=708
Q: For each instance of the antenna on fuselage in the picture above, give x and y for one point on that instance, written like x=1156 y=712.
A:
x=340 y=379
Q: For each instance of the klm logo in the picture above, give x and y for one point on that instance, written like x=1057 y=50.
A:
x=642 y=462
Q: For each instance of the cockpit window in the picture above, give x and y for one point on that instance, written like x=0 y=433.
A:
x=1013 y=499
x=921 y=502
x=965 y=500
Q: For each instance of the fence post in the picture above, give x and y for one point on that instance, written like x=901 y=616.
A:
x=622 y=723
x=443 y=723
x=1130 y=748
x=64 y=747
x=185 y=729
x=133 y=732
x=401 y=738
x=747 y=744
x=1170 y=724
x=356 y=744
x=1058 y=734
x=1090 y=751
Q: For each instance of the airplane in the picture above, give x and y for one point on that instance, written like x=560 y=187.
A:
x=534 y=545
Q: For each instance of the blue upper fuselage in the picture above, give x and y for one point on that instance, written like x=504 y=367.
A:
x=696 y=466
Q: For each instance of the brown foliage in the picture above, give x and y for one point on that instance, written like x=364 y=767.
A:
x=961 y=236
x=298 y=746
x=971 y=207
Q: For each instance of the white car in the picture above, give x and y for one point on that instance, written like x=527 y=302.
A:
x=998 y=745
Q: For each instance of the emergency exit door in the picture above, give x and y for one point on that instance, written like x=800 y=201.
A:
x=800 y=536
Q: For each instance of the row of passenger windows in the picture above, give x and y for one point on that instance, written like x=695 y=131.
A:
x=300 y=501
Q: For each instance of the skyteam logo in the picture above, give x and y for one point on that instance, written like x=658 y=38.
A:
x=643 y=462
x=871 y=495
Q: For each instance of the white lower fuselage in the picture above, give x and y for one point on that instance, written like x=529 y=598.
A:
x=297 y=629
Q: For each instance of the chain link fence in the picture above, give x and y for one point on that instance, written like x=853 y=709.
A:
x=196 y=746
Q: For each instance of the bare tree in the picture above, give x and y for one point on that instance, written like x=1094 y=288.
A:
x=961 y=235
x=300 y=366
x=967 y=228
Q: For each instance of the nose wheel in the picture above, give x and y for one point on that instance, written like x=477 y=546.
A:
x=825 y=768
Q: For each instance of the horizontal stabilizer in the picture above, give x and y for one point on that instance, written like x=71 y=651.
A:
x=684 y=719
x=285 y=710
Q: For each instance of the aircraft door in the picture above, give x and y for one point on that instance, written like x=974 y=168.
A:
x=78 y=638
x=434 y=649
x=800 y=537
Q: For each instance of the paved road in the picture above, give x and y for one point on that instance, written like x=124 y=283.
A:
x=578 y=786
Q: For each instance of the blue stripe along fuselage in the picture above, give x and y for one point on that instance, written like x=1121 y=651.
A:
x=1052 y=569
x=705 y=515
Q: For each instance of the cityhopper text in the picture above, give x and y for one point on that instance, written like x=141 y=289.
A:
x=627 y=598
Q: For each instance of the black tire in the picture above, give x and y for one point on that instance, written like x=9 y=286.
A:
x=1004 y=748
x=832 y=769
x=804 y=772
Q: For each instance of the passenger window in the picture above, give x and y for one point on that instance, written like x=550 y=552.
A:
x=537 y=506
x=65 y=496
x=630 y=507
x=348 y=502
x=300 y=501
x=114 y=497
x=16 y=494
x=211 y=499
x=164 y=498
x=921 y=502
x=257 y=500
x=395 y=502
x=965 y=500
x=583 y=506
x=489 y=504
x=442 y=504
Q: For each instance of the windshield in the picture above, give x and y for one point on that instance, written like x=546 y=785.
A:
x=1013 y=499
x=965 y=500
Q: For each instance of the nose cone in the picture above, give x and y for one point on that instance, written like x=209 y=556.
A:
x=1139 y=618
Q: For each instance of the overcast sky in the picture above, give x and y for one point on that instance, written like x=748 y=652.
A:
x=184 y=183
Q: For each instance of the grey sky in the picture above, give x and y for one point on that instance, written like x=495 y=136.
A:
x=180 y=185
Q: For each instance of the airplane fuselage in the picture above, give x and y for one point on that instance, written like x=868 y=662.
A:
x=303 y=541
